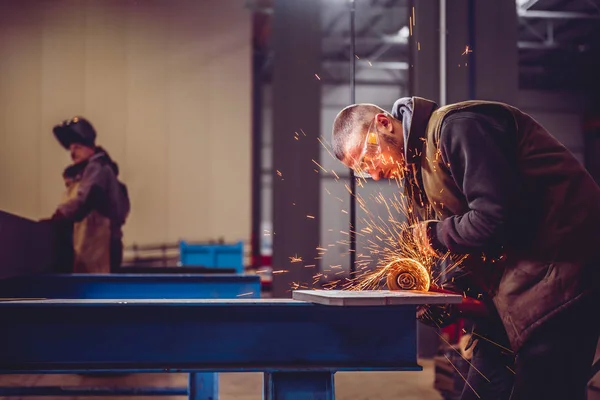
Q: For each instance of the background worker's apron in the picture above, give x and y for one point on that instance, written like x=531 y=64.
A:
x=91 y=239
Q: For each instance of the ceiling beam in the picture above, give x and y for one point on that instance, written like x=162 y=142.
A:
x=364 y=82
x=544 y=14
x=369 y=40
x=392 y=65
x=530 y=45
x=526 y=4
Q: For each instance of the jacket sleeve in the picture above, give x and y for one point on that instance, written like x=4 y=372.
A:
x=90 y=186
x=478 y=151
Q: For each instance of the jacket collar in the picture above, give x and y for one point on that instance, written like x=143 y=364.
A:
x=413 y=180
x=422 y=110
x=74 y=170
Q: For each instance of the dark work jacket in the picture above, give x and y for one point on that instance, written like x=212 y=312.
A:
x=506 y=193
x=97 y=204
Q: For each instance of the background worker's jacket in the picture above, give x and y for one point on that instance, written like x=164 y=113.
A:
x=512 y=197
x=98 y=204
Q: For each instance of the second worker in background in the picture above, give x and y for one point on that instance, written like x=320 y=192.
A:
x=96 y=203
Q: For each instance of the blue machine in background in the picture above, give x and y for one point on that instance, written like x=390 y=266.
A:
x=213 y=255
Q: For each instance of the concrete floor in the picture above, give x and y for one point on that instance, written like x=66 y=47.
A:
x=248 y=386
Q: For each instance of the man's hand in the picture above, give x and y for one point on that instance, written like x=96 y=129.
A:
x=421 y=238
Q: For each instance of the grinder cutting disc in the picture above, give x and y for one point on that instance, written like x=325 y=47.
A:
x=407 y=274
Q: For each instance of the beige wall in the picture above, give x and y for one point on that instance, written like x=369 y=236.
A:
x=167 y=85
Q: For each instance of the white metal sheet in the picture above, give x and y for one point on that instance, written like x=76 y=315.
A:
x=374 y=297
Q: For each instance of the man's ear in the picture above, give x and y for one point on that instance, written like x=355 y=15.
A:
x=384 y=121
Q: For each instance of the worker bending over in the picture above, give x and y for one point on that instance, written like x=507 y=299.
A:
x=96 y=202
x=491 y=183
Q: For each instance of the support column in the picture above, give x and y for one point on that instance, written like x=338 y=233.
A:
x=488 y=69
x=296 y=128
x=458 y=67
x=257 y=147
x=299 y=385
x=203 y=386
x=424 y=45
x=425 y=82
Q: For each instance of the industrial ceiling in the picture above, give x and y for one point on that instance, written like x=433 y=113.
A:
x=559 y=42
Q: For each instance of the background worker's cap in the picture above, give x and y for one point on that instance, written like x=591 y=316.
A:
x=75 y=130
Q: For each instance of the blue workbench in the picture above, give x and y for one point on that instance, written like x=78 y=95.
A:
x=298 y=344
x=131 y=286
x=202 y=386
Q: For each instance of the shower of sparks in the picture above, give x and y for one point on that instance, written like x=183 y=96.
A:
x=324 y=144
x=262 y=271
x=467 y=50
x=492 y=342
x=319 y=165
x=317 y=76
x=463 y=357
x=461 y=375
x=387 y=239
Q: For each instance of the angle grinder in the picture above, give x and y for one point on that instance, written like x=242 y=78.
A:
x=409 y=274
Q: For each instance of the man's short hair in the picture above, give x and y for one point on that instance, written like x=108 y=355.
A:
x=351 y=121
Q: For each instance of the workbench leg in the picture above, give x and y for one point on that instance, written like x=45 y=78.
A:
x=204 y=386
x=299 y=385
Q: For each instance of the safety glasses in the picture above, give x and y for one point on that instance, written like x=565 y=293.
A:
x=370 y=157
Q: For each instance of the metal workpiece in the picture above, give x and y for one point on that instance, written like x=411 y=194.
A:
x=375 y=297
